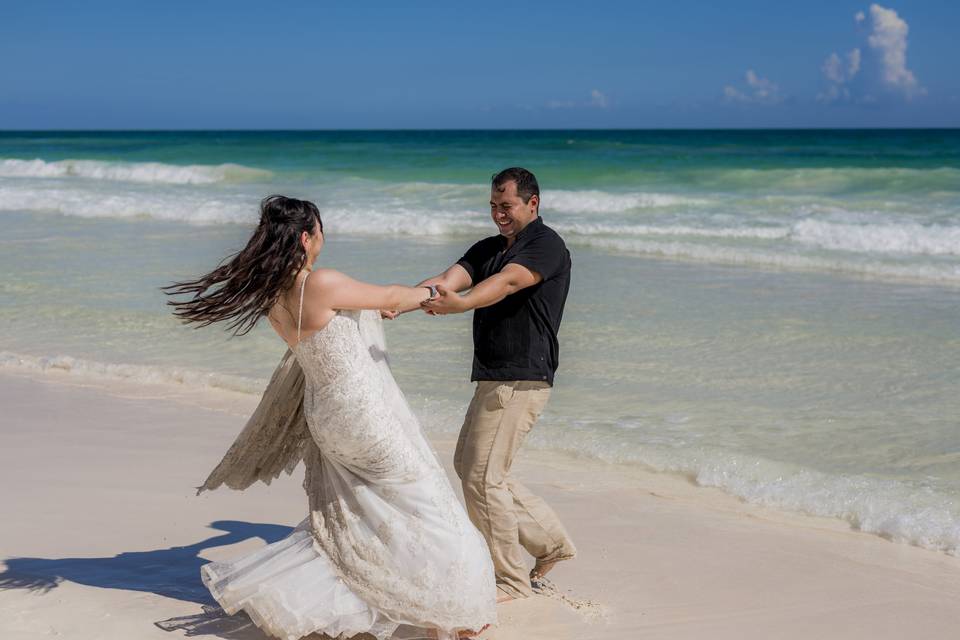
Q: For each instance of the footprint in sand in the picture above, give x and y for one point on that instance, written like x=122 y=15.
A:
x=587 y=609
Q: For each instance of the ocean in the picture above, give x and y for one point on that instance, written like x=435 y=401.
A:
x=773 y=313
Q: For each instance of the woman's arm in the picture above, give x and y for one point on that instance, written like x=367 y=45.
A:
x=335 y=290
x=455 y=278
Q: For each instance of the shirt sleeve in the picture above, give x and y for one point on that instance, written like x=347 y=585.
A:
x=472 y=261
x=545 y=255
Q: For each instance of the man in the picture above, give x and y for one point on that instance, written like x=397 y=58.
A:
x=518 y=283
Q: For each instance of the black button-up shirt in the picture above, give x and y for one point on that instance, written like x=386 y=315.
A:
x=516 y=338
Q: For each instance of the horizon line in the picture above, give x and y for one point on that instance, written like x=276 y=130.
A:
x=463 y=129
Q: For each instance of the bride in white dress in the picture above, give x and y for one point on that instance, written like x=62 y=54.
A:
x=386 y=542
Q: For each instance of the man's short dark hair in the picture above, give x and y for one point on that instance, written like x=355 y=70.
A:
x=526 y=182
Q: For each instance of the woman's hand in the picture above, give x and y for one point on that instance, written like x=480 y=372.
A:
x=447 y=301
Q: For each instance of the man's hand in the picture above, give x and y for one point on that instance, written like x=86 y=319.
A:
x=387 y=314
x=446 y=302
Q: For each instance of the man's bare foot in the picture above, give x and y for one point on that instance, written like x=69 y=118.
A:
x=541 y=569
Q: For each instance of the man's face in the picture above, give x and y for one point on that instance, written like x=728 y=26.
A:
x=508 y=210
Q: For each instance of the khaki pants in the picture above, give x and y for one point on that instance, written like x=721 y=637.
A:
x=508 y=515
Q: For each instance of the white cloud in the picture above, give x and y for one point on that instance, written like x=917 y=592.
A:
x=889 y=39
x=760 y=91
x=833 y=68
x=853 y=63
x=732 y=95
x=833 y=93
x=839 y=74
x=597 y=99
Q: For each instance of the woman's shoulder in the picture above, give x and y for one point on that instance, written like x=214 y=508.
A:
x=320 y=279
x=322 y=283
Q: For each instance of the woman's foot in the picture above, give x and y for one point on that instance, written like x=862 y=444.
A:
x=468 y=633
x=463 y=633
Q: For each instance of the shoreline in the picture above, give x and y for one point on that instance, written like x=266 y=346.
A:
x=659 y=556
x=238 y=396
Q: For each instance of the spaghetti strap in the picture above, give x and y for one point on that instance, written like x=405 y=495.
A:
x=300 y=312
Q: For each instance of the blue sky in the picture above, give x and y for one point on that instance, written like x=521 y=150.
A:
x=325 y=65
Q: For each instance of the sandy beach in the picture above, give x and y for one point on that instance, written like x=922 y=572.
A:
x=728 y=240
x=103 y=536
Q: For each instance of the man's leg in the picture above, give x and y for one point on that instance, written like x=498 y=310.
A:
x=541 y=533
x=464 y=431
x=490 y=436
x=540 y=530
x=499 y=418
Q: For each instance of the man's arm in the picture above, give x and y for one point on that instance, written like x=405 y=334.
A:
x=509 y=280
x=455 y=278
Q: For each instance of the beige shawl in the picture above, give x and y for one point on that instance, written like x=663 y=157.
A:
x=275 y=437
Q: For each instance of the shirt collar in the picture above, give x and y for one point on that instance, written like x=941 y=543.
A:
x=527 y=230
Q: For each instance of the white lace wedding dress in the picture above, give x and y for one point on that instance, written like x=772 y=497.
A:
x=386 y=543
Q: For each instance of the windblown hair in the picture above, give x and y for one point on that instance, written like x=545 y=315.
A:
x=527 y=185
x=247 y=284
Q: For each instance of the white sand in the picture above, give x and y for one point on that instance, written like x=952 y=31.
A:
x=102 y=537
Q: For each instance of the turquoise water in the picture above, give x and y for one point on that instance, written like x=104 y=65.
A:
x=877 y=204
x=772 y=313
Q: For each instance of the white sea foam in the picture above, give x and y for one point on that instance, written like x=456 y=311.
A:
x=183 y=204
x=935 y=273
x=900 y=510
x=172 y=203
x=404 y=221
x=143 y=374
x=821 y=240
x=903 y=238
x=761 y=233
x=609 y=202
x=148 y=172
x=186 y=205
x=879 y=238
x=551 y=200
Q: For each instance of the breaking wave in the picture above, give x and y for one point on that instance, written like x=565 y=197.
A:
x=143 y=374
x=902 y=511
x=729 y=255
x=146 y=172
x=899 y=510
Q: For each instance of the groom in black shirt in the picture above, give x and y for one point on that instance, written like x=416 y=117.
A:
x=518 y=282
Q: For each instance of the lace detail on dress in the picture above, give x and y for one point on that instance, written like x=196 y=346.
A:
x=381 y=505
x=385 y=523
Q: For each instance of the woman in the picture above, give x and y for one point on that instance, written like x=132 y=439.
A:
x=386 y=542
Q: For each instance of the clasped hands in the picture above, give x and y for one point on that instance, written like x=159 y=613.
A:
x=445 y=302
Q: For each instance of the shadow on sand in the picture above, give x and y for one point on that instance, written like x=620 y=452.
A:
x=172 y=572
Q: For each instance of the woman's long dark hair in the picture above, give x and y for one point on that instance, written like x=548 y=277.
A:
x=247 y=284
